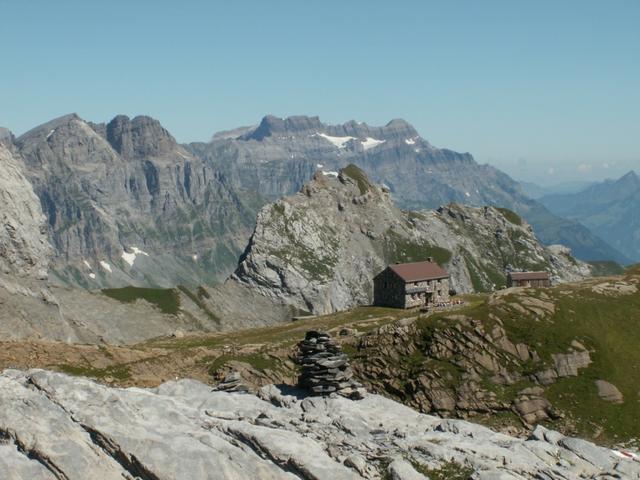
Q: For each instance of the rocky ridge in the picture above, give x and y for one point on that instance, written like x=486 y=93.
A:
x=126 y=205
x=54 y=426
x=318 y=251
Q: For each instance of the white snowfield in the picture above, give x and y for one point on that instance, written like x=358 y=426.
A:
x=130 y=258
x=341 y=142
x=59 y=427
x=106 y=266
x=369 y=143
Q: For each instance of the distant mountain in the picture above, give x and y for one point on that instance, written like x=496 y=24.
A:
x=611 y=209
x=536 y=191
x=279 y=155
x=126 y=205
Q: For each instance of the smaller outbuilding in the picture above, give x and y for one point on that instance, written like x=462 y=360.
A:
x=409 y=285
x=528 y=279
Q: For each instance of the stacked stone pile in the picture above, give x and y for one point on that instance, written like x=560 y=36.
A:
x=325 y=368
x=232 y=383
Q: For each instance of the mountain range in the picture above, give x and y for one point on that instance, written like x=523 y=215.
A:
x=125 y=204
x=314 y=252
x=277 y=156
x=609 y=209
x=535 y=191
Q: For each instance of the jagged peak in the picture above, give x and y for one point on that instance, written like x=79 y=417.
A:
x=273 y=126
x=138 y=137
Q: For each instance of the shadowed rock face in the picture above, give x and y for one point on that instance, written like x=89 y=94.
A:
x=139 y=138
x=126 y=205
x=53 y=426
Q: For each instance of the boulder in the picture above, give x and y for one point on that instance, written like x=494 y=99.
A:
x=609 y=392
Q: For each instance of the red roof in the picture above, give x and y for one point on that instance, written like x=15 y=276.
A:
x=529 y=275
x=419 y=271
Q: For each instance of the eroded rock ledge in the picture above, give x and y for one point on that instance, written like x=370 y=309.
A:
x=54 y=426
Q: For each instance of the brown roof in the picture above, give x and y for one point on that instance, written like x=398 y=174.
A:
x=529 y=275
x=418 y=271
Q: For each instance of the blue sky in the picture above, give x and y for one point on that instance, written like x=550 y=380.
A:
x=532 y=87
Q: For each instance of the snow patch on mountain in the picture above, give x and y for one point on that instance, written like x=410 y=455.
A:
x=369 y=143
x=130 y=258
x=339 y=142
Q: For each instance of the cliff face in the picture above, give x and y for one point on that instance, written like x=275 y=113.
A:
x=126 y=205
x=318 y=251
x=24 y=249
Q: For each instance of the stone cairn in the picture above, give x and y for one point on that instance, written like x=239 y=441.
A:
x=325 y=368
x=232 y=382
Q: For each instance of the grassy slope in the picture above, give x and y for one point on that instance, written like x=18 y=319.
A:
x=167 y=300
x=607 y=325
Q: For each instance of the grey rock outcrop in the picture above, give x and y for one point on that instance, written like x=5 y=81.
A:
x=24 y=249
x=609 y=392
x=232 y=382
x=54 y=426
x=6 y=137
x=319 y=250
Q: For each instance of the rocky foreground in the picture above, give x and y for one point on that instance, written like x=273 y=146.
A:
x=54 y=426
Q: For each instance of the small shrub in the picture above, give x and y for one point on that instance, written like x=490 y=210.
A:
x=510 y=215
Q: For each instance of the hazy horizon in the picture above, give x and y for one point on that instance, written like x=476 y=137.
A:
x=546 y=92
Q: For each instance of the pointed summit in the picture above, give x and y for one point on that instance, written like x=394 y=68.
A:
x=47 y=129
